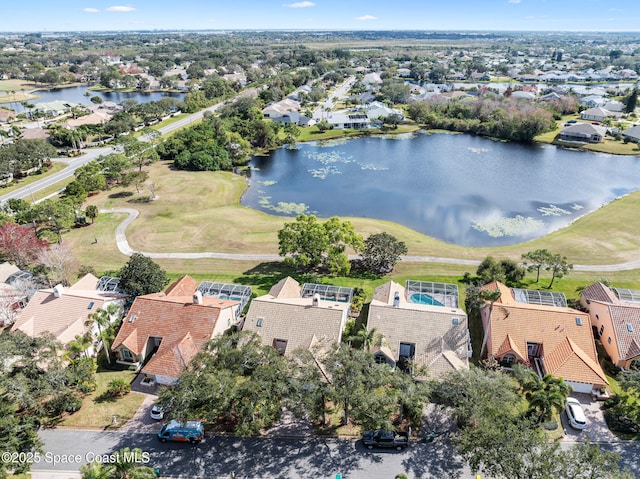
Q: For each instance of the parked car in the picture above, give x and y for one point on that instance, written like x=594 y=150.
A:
x=575 y=414
x=157 y=412
x=385 y=439
x=571 y=122
x=191 y=431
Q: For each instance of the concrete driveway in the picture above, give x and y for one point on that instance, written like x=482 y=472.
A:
x=597 y=430
x=141 y=421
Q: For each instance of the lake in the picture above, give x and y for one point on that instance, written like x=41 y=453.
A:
x=461 y=189
x=76 y=94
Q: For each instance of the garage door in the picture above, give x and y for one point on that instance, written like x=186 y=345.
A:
x=580 y=387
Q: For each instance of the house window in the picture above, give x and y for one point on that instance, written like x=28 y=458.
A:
x=609 y=340
x=455 y=321
x=280 y=345
x=630 y=327
x=508 y=359
x=126 y=354
x=259 y=322
x=132 y=318
x=601 y=330
x=578 y=321
x=90 y=305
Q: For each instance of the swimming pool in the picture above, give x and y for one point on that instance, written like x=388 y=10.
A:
x=421 y=298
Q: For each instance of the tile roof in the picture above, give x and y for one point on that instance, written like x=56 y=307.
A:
x=172 y=316
x=622 y=313
x=63 y=316
x=6 y=270
x=568 y=348
x=285 y=315
x=437 y=340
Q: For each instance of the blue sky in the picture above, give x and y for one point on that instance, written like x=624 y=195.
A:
x=83 y=15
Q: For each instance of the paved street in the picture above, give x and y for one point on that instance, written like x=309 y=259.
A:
x=252 y=457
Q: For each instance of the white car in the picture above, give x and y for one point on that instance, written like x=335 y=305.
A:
x=575 y=414
x=157 y=412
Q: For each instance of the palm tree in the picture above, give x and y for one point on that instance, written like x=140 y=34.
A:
x=78 y=346
x=366 y=338
x=551 y=394
x=104 y=318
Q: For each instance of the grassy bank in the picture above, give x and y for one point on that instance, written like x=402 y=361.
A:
x=198 y=212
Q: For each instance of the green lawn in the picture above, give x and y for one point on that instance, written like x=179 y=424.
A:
x=97 y=413
x=55 y=167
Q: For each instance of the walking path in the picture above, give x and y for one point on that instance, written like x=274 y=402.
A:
x=123 y=246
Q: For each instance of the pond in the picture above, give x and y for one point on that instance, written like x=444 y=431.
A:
x=76 y=94
x=461 y=189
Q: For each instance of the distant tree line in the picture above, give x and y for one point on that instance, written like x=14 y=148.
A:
x=493 y=117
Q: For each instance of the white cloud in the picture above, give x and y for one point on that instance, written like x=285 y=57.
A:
x=90 y=10
x=365 y=18
x=514 y=1
x=299 y=5
x=120 y=8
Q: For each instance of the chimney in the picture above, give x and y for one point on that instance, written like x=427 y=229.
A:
x=396 y=300
x=197 y=297
x=316 y=299
x=58 y=290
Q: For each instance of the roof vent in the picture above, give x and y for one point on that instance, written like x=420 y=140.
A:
x=58 y=290
x=197 y=297
x=316 y=299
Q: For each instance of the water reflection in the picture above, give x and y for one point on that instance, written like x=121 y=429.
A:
x=458 y=188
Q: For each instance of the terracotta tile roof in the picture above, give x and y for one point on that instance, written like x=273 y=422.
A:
x=64 y=317
x=172 y=360
x=509 y=346
x=171 y=316
x=624 y=315
x=599 y=292
x=568 y=347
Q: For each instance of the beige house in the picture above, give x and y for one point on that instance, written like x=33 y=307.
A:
x=536 y=328
x=615 y=319
x=292 y=317
x=162 y=332
x=65 y=312
x=421 y=326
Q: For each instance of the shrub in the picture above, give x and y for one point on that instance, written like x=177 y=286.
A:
x=117 y=388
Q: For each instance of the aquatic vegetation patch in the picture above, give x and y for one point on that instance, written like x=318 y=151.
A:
x=516 y=226
x=553 y=210
x=283 y=207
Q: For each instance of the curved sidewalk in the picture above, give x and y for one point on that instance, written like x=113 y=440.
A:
x=123 y=246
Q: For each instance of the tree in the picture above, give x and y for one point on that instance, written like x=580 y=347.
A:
x=104 y=319
x=505 y=270
x=559 y=266
x=92 y=212
x=547 y=395
x=535 y=260
x=311 y=245
x=631 y=101
x=19 y=244
x=140 y=275
x=60 y=263
x=365 y=337
x=127 y=464
x=381 y=252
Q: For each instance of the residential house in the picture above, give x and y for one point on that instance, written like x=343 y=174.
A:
x=583 y=132
x=343 y=121
x=421 y=326
x=615 y=319
x=632 y=134
x=12 y=296
x=376 y=110
x=537 y=328
x=291 y=317
x=65 y=312
x=593 y=101
x=164 y=331
x=276 y=110
x=55 y=108
x=596 y=114
x=6 y=116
